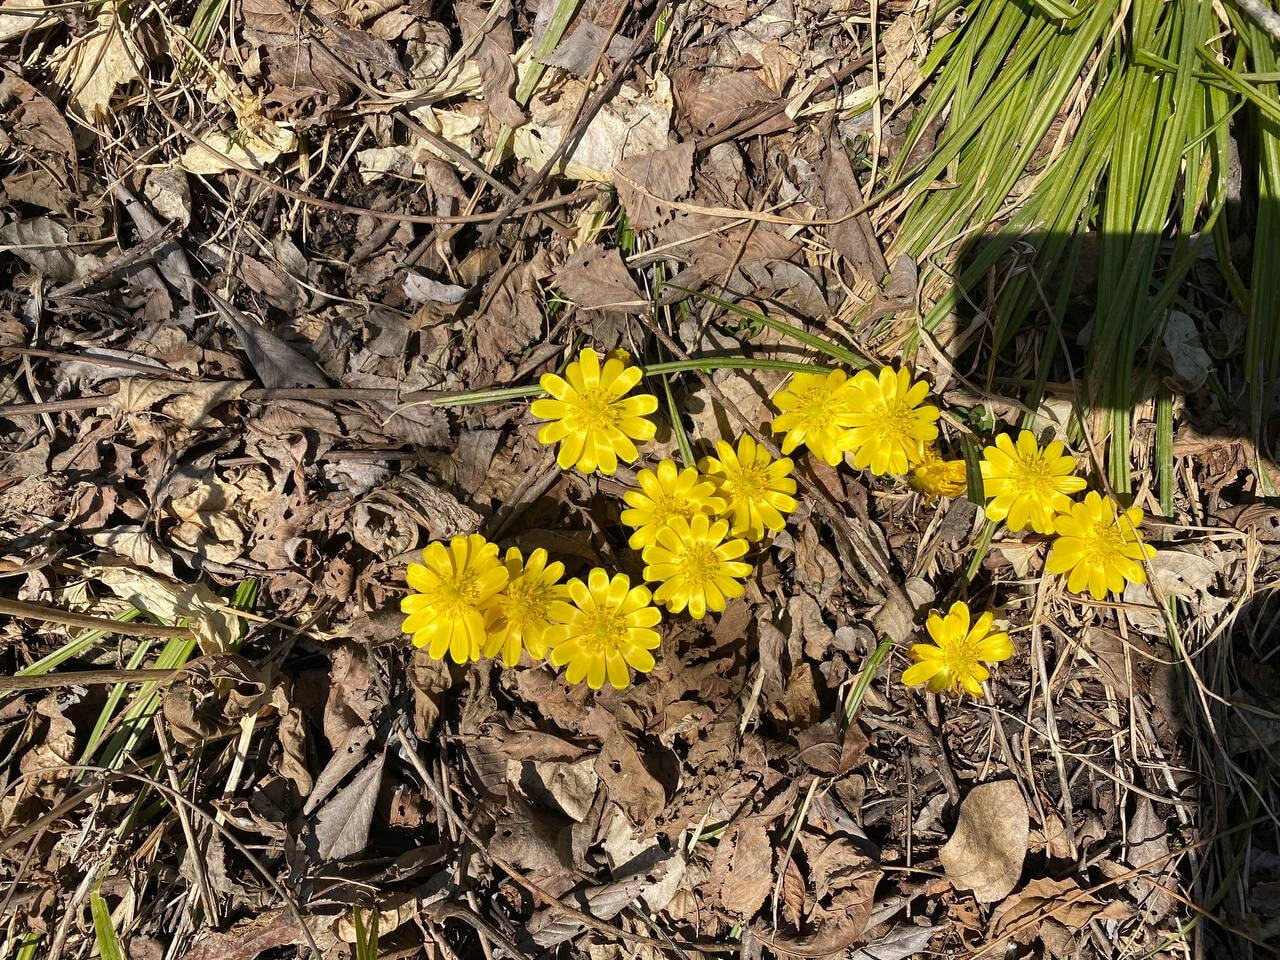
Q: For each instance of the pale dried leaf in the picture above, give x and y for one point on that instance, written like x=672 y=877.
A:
x=899 y=944
x=171 y=602
x=276 y=363
x=630 y=124
x=136 y=543
x=986 y=851
x=45 y=245
x=253 y=148
x=1190 y=361
x=97 y=66
x=17 y=24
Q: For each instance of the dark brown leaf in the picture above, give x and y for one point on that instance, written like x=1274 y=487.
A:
x=595 y=278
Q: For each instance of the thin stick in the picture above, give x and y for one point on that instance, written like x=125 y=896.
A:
x=38 y=611
x=197 y=855
x=85 y=678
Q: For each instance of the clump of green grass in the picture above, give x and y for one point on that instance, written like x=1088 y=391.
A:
x=1105 y=122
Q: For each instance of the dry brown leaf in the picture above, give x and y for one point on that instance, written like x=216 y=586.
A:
x=291 y=732
x=628 y=781
x=853 y=239
x=277 y=363
x=720 y=99
x=986 y=851
x=742 y=869
x=644 y=181
x=493 y=57
x=899 y=73
x=1064 y=901
x=531 y=838
x=353 y=698
x=342 y=825
x=206 y=525
x=595 y=278
x=45 y=245
x=248 y=938
x=430 y=679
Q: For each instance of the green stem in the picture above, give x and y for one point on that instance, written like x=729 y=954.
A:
x=503 y=394
x=859 y=690
x=984 y=544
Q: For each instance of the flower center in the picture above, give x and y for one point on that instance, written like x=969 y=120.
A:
x=666 y=506
x=1105 y=541
x=1031 y=476
x=604 y=632
x=698 y=563
x=457 y=595
x=525 y=602
x=960 y=658
x=749 y=482
x=818 y=408
x=596 y=409
x=892 y=421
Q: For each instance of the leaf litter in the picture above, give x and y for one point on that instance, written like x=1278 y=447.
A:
x=233 y=326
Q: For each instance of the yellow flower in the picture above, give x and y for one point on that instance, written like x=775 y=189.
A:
x=697 y=566
x=607 y=628
x=757 y=489
x=1028 y=486
x=935 y=477
x=1099 y=547
x=518 y=616
x=665 y=493
x=957 y=653
x=452 y=594
x=592 y=418
x=815 y=412
x=890 y=427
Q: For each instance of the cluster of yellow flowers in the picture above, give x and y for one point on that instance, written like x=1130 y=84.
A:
x=693 y=526
x=468 y=603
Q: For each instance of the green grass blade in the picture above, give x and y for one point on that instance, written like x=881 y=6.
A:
x=103 y=930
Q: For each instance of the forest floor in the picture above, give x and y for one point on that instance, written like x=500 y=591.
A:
x=265 y=265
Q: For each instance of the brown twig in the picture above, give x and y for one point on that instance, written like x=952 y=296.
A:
x=38 y=611
x=85 y=678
